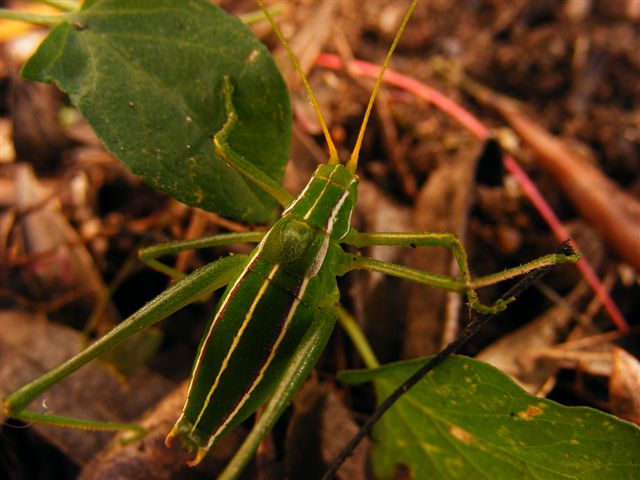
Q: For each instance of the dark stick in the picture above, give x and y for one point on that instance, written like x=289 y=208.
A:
x=474 y=326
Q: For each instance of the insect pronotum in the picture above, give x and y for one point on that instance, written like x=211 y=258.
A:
x=278 y=309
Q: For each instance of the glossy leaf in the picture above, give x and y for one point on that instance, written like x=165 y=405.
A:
x=147 y=76
x=467 y=419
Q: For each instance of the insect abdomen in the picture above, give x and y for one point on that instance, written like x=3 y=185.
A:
x=267 y=311
x=252 y=322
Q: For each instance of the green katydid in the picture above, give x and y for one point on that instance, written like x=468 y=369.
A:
x=278 y=309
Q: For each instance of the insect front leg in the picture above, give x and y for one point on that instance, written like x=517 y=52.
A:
x=426 y=239
x=149 y=255
x=236 y=161
x=202 y=281
x=462 y=284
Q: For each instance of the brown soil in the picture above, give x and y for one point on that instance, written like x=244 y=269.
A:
x=573 y=64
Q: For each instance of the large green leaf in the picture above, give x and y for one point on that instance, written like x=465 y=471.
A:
x=147 y=75
x=468 y=420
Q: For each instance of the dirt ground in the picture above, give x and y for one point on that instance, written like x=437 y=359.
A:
x=575 y=67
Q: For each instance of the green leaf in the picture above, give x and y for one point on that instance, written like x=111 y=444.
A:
x=147 y=76
x=467 y=419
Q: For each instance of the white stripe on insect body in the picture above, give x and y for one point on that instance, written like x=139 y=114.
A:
x=295 y=202
x=263 y=369
x=338 y=206
x=236 y=340
x=317 y=264
x=302 y=195
x=320 y=195
x=250 y=263
x=311 y=272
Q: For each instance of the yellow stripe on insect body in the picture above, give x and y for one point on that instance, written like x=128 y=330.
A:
x=207 y=339
x=294 y=308
x=236 y=339
x=320 y=197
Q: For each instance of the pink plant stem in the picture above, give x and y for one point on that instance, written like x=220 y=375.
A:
x=478 y=129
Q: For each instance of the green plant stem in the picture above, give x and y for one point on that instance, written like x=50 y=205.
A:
x=33 y=18
x=64 y=5
x=355 y=333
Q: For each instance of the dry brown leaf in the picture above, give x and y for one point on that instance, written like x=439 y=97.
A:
x=38 y=137
x=150 y=458
x=518 y=353
x=442 y=206
x=30 y=345
x=614 y=212
x=624 y=386
x=64 y=263
x=379 y=300
x=320 y=427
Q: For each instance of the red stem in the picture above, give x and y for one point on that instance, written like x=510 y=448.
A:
x=477 y=128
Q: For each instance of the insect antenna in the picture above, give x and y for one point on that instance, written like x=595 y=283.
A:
x=333 y=153
x=352 y=164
